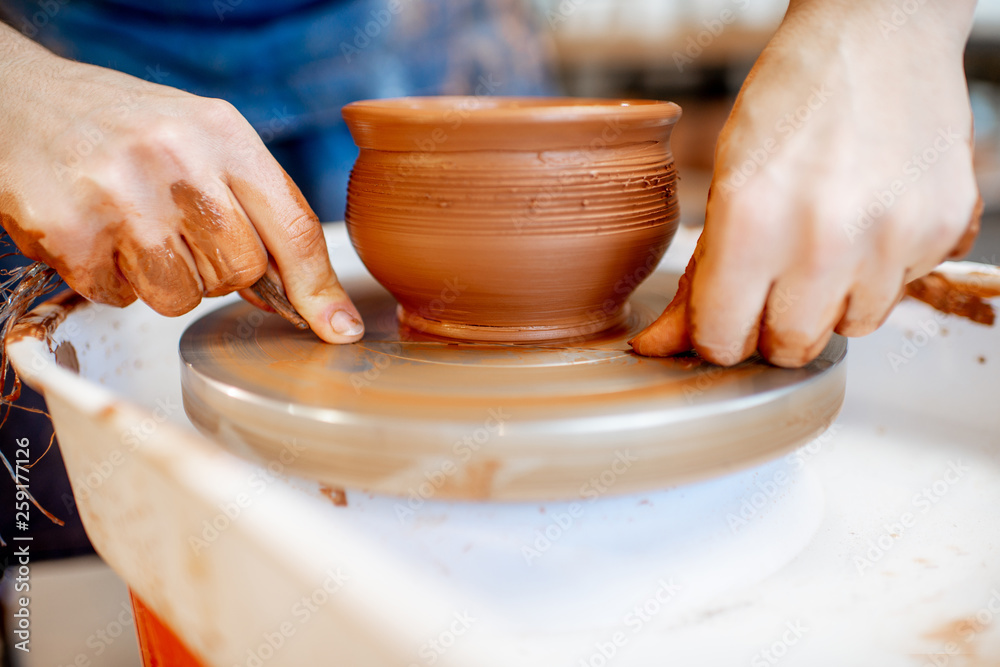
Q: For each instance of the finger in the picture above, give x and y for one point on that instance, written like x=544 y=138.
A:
x=668 y=335
x=971 y=232
x=103 y=283
x=227 y=252
x=875 y=293
x=956 y=213
x=162 y=274
x=799 y=319
x=293 y=236
x=965 y=244
x=728 y=293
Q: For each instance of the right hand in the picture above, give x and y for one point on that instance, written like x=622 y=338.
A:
x=824 y=202
x=132 y=189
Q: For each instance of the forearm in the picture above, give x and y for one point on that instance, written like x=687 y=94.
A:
x=26 y=74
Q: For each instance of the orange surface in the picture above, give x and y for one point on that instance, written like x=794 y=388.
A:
x=159 y=646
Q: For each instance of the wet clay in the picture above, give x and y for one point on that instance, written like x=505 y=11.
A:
x=511 y=219
x=965 y=299
x=207 y=228
x=65 y=355
x=961 y=639
x=96 y=283
x=40 y=325
x=160 y=276
x=29 y=242
x=336 y=496
x=202 y=226
x=473 y=482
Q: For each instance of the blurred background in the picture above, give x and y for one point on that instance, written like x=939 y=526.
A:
x=695 y=53
x=643 y=48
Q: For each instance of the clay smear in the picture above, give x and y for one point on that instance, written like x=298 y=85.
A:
x=965 y=299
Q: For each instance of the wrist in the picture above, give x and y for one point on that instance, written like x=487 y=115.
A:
x=18 y=55
x=943 y=25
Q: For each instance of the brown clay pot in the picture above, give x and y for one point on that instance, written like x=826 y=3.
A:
x=511 y=219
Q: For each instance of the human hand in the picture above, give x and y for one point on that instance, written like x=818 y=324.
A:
x=131 y=189
x=843 y=172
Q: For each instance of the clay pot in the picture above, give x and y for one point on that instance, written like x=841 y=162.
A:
x=511 y=219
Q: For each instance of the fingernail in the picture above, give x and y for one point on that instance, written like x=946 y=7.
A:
x=346 y=324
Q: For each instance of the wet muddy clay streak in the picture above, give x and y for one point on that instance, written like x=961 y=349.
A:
x=40 y=323
x=202 y=226
x=512 y=219
x=28 y=241
x=965 y=299
x=337 y=496
x=97 y=280
x=66 y=357
x=160 y=276
x=217 y=237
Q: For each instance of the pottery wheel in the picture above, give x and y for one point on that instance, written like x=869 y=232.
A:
x=412 y=415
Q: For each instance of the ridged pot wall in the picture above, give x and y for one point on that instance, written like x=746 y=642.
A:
x=506 y=219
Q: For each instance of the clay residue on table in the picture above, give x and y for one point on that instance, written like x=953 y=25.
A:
x=958 y=640
x=337 y=496
x=965 y=299
x=66 y=356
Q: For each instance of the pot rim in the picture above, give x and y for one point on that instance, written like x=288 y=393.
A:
x=465 y=122
x=490 y=109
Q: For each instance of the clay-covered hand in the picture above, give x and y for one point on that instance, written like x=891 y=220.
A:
x=843 y=172
x=131 y=189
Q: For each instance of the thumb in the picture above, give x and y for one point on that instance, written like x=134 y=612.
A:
x=669 y=334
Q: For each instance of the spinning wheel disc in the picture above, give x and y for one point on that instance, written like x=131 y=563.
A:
x=405 y=413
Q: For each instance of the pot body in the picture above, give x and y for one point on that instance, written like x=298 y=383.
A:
x=512 y=219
